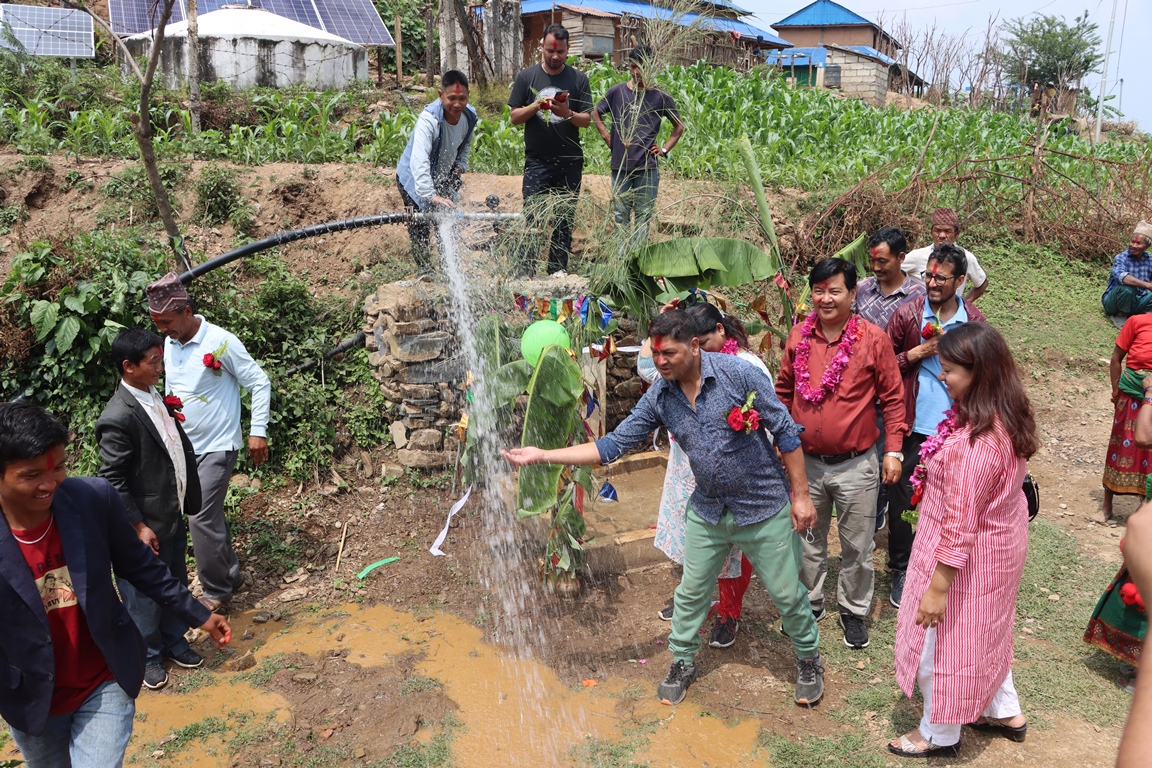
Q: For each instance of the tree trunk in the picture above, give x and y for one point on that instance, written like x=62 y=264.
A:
x=429 y=59
x=475 y=56
x=194 y=66
x=142 y=129
x=399 y=54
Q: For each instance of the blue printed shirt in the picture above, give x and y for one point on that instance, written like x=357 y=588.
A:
x=1123 y=264
x=212 y=402
x=932 y=398
x=734 y=470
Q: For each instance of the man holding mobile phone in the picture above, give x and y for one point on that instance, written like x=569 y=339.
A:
x=553 y=101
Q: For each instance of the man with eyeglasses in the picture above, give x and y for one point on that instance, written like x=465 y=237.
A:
x=915 y=330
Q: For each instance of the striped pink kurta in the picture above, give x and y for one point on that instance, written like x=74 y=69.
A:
x=973 y=517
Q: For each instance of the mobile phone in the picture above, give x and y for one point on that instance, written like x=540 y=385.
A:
x=561 y=97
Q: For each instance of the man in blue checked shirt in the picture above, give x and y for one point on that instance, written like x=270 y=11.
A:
x=741 y=497
x=1129 y=290
x=205 y=366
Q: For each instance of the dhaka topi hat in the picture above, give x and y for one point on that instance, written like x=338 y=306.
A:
x=167 y=295
x=1145 y=229
x=945 y=217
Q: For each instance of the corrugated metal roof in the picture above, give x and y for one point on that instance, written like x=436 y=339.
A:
x=584 y=10
x=647 y=11
x=823 y=13
x=818 y=56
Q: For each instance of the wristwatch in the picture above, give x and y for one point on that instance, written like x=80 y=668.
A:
x=895 y=455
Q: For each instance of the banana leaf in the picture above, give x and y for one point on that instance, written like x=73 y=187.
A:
x=489 y=334
x=705 y=261
x=550 y=420
x=509 y=382
x=856 y=252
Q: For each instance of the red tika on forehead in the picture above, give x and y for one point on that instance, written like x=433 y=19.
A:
x=875 y=250
x=657 y=343
x=823 y=284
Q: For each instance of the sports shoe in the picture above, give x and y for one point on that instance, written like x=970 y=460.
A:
x=881 y=516
x=724 y=633
x=155 y=677
x=187 y=658
x=855 y=633
x=665 y=613
x=675 y=686
x=897 y=587
x=809 y=680
x=818 y=614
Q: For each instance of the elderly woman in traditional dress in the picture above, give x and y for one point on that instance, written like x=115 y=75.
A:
x=954 y=629
x=1126 y=464
x=718 y=333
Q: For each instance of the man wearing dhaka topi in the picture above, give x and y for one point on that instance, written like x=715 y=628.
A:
x=205 y=366
x=717 y=406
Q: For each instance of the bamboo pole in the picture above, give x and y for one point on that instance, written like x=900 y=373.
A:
x=399 y=53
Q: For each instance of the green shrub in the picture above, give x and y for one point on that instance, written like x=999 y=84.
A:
x=130 y=187
x=219 y=199
x=10 y=216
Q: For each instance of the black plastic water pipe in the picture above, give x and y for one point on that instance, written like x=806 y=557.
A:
x=328 y=227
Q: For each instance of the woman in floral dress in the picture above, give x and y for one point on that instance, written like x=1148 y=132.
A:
x=954 y=629
x=718 y=333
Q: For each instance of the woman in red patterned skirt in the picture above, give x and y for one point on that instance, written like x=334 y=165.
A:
x=954 y=629
x=1126 y=464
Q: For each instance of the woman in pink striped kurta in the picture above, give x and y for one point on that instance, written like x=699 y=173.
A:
x=954 y=629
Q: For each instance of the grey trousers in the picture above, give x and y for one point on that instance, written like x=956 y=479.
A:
x=216 y=563
x=852 y=487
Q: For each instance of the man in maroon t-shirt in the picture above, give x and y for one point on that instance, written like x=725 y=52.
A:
x=74 y=657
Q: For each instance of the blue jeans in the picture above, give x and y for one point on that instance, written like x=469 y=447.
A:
x=633 y=201
x=93 y=736
x=162 y=631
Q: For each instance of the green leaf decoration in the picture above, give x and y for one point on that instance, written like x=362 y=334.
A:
x=489 y=333
x=706 y=261
x=856 y=252
x=551 y=418
x=44 y=316
x=509 y=382
x=66 y=333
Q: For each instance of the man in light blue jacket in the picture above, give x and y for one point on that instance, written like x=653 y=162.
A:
x=430 y=170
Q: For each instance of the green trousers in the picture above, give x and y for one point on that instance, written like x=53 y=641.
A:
x=1127 y=300
x=773 y=548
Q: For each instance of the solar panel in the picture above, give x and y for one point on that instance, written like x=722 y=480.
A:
x=49 y=31
x=355 y=20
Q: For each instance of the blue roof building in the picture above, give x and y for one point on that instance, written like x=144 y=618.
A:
x=825 y=21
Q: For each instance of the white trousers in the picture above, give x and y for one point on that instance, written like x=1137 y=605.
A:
x=1005 y=704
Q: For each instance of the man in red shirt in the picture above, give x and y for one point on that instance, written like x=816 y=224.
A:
x=836 y=367
x=74 y=658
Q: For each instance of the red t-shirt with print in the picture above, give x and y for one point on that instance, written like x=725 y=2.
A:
x=80 y=666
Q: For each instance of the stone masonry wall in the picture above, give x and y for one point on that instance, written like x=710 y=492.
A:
x=414 y=354
x=861 y=76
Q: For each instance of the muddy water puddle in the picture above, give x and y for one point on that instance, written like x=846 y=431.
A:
x=352 y=686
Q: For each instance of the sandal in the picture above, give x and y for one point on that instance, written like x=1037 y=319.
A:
x=992 y=725
x=908 y=749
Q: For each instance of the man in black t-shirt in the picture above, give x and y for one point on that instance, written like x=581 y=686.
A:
x=553 y=102
x=636 y=110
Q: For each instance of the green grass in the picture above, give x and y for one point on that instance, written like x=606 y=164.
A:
x=608 y=753
x=437 y=753
x=262 y=673
x=1047 y=306
x=209 y=726
x=1056 y=672
x=418 y=684
x=195 y=679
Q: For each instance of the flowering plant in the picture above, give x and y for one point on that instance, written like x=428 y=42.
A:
x=928 y=449
x=834 y=373
x=212 y=359
x=174 y=406
x=930 y=329
x=745 y=418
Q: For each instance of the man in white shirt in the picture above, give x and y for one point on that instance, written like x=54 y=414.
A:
x=206 y=366
x=146 y=456
x=945 y=229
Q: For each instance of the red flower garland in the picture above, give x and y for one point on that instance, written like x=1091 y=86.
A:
x=834 y=373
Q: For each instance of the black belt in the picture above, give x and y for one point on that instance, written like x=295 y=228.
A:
x=836 y=458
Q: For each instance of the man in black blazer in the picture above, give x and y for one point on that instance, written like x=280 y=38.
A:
x=149 y=459
x=72 y=658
